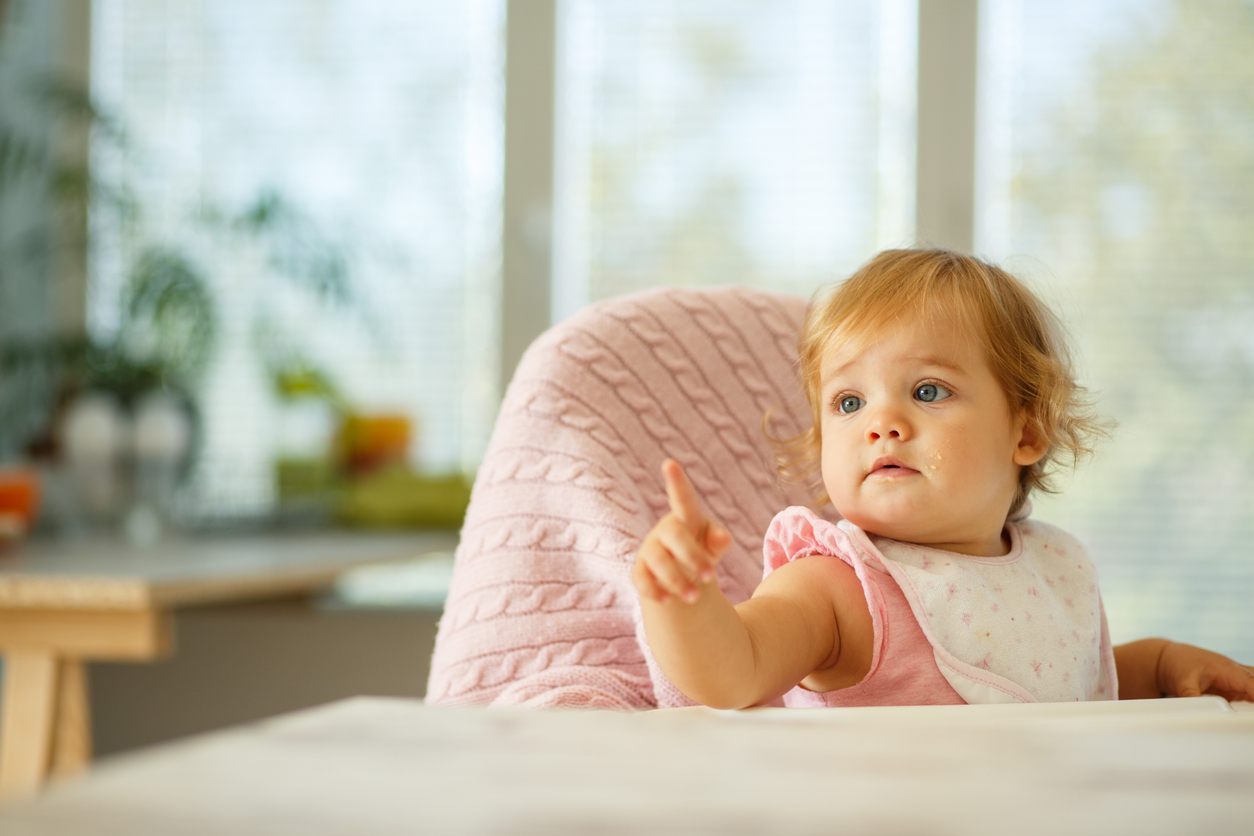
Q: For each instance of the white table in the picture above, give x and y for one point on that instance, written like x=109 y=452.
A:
x=384 y=766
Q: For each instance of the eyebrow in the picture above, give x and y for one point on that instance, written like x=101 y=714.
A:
x=937 y=361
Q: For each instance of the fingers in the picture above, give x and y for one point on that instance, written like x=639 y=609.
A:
x=672 y=562
x=646 y=585
x=1193 y=671
x=658 y=577
x=1233 y=683
x=686 y=506
x=682 y=496
x=683 y=549
x=1245 y=687
x=691 y=557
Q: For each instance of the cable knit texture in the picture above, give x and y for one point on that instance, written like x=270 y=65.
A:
x=541 y=611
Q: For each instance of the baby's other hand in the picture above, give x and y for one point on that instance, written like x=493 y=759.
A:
x=683 y=549
x=1188 y=671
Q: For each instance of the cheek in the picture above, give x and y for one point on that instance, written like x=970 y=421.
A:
x=827 y=464
x=954 y=456
x=974 y=458
x=834 y=463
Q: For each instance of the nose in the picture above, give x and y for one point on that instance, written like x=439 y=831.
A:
x=888 y=421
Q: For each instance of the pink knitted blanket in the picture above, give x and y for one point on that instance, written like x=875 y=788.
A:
x=541 y=611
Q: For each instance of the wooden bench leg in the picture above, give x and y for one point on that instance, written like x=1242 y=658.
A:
x=45 y=716
x=71 y=731
x=27 y=713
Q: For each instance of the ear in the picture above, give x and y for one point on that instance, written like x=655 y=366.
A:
x=1030 y=449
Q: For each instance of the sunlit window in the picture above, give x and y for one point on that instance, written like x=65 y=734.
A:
x=1117 y=149
x=759 y=143
x=330 y=174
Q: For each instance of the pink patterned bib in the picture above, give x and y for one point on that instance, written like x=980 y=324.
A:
x=1025 y=627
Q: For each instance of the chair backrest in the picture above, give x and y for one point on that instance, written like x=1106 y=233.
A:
x=541 y=610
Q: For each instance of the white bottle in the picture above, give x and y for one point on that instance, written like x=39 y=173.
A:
x=160 y=439
x=94 y=437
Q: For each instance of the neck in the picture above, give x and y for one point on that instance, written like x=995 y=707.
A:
x=995 y=546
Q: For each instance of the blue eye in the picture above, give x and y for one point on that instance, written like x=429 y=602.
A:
x=849 y=403
x=931 y=392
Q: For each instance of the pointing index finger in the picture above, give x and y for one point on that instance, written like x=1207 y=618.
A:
x=682 y=496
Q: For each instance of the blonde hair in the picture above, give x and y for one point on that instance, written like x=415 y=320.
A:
x=1022 y=341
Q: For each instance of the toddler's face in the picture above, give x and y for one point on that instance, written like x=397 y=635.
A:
x=919 y=441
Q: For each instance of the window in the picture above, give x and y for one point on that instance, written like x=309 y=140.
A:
x=767 y=144
x=334 y=172
x=1117 y=149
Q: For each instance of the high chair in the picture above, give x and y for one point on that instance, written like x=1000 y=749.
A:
x=541 y=610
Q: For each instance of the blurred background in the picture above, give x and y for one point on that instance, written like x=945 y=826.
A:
x=280 y=259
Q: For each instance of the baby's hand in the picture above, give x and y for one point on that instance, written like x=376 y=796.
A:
x=1188 y=671
x=684 y=547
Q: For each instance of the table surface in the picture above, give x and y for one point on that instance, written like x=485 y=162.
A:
x=383 y=766
x=111 y=574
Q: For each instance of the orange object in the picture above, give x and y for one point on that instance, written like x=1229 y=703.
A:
x=19 y=501
x=369 y=441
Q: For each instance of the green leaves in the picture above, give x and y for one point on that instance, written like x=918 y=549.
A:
x=19 y=156
x=297 y=249
x=169 y=317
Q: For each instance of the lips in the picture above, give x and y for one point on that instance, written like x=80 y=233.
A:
x=890 y=467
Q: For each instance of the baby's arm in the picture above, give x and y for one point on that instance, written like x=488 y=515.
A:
x=1152 y=668
x=733 y=657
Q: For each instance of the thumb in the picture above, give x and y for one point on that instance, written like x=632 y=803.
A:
x=717 y=539
x=1189 y=685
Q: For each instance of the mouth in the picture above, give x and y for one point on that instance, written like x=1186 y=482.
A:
x=890 y=467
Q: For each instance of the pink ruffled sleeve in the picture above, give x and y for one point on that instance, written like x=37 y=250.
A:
x=798 y=532
x=903 y=670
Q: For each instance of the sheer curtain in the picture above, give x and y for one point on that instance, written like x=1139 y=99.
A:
x=1117 y=152
x=748 y=142
x=372 y=131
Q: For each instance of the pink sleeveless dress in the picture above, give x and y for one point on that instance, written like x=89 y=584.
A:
x=903 y=669
x=1025 y=627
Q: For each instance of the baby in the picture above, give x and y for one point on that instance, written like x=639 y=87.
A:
x=942 y=397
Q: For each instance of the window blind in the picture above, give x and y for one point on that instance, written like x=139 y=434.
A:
x=759 y=143
x=1117 y=149
x=374 y=128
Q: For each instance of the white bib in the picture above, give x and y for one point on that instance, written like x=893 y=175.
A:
x=1026 y=627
